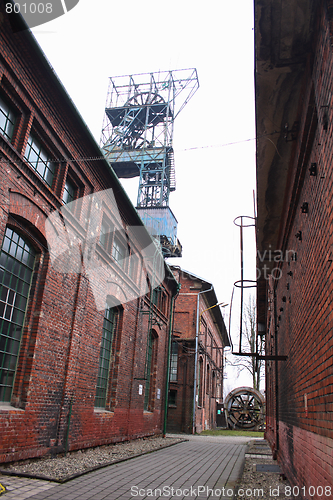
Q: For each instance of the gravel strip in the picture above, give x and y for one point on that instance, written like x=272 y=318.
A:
x=61 y=468
x=261 y=485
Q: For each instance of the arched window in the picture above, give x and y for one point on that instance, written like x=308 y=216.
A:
x=200 y=380
x=213 y=392
x=106 y=353
x=174 y=362
x=17 y=259
x=208 y=380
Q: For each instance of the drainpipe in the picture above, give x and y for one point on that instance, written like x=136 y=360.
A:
x=166 y=398
x=66 y=377
x=196 y=357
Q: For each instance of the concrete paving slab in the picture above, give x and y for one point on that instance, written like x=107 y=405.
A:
x=204 y=467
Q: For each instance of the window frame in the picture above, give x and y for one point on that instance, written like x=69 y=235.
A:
x=208 y=379
x=172 y=402
x=133 y=266
x=110 y=361
x=174 y=361
x=106 y=237
x=118 y=256
x=4 y=131
x=73 y=196
x=151 y=356
x=42 y=156
x=18 y=279
x=200 y=383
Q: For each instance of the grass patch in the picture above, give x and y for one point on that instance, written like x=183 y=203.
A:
x=229 y=432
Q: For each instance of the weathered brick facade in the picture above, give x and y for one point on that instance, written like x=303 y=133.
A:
x=51 y=330
x=199 y=337
x=295 y=220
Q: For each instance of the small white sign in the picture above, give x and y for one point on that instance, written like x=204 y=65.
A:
x=140 y=389
x=158 y=393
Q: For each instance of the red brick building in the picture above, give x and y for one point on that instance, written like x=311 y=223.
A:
x=294 y=114
x=199 y=337
x=71 y=375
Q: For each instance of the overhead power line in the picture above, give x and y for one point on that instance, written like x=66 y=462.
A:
x=98 y=158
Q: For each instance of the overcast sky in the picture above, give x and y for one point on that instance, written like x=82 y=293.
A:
x=213 y=134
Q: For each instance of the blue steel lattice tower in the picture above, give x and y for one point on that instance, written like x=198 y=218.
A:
x=137 y=141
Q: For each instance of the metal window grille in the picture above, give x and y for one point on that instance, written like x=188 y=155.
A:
x=39 y=159
x=16 y=267
x=107 y=347
x=7 y=120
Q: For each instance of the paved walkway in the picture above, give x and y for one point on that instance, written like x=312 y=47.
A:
x=201 y=468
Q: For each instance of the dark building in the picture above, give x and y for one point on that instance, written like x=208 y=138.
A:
x=294 y=119
x=84 y=330
x=199 y=337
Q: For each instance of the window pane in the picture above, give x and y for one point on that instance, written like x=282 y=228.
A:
x=40 y=168
x=119 y=252
x=69 y=192
x=2 y=119
x=105 y=237
x=133 y=267
x=7 y=120
x=31 y=156
x=39 y=159
x=174 y=362
x=49 y=173
x=12 y=305
x=150 y=356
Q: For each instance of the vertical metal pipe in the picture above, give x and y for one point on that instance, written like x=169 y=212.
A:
x=242 y=286
x=68 y=424
x=277 y=414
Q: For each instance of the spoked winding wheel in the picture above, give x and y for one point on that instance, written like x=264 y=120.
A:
x=245 y=408
x=144 y=111
x=145 y=99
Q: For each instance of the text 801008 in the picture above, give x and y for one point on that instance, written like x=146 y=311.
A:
x=311 y=491
x=29 y=8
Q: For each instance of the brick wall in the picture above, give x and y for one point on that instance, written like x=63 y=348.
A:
x=300 y=405
x=209 y=384
x=52 y=405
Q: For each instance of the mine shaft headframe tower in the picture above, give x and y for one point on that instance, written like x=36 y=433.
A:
x=138 y=129
x=137 y=139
